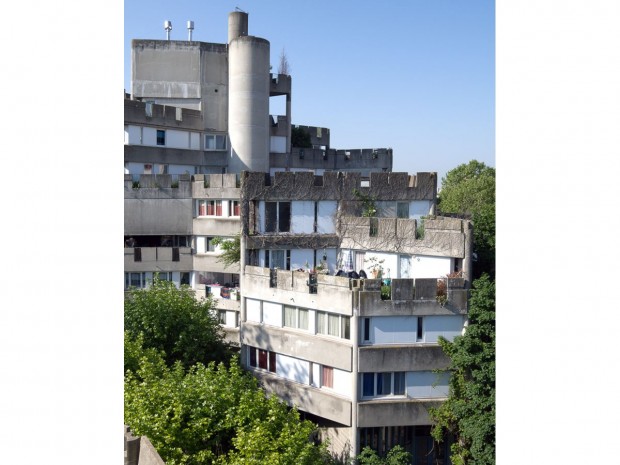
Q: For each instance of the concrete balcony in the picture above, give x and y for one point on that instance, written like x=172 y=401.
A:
x=394 y=412
x=307 y=398
x=216 y=225
x=158 y=258
x=414 y=357
x=209 y=261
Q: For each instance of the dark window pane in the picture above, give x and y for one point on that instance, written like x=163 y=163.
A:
x=252 y=357
x=384 y=383
x=284 y=221
x=368 y=388
x=272 y=361
x=271 y=216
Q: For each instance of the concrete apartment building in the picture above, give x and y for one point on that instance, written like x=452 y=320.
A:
x=204 y=159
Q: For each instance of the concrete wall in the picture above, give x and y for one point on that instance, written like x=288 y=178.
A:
x=393 y=413
x=307 y=398
x=401 y=358
x=139 y=450
x=332 y=352
x=158 y=258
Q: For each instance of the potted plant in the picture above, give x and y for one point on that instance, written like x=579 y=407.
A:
x=376 y=267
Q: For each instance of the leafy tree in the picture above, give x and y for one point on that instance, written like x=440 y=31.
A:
x=300 y=137
x=470 y=188
x=231 y=250
x=214 y=415
x=396 y=456
x=469 y=412
x=174 y=321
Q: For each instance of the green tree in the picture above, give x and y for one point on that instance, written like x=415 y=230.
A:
x=470 y=189
x=214 y=415
x=300 y=137
x=174 y=321
x=231 y=249
x=469 y=412
x=396 y=456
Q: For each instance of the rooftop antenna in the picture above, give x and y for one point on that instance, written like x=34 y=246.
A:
x=239 y=9
x=190 y=28
x=168 y=28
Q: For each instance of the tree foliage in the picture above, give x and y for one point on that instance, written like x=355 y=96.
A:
x=396 y=456
x=283 y=66
x=173 y=321
x=300 y=138
x=214 y=415
x=470 y=188
x=231 y=250
x=469 y=412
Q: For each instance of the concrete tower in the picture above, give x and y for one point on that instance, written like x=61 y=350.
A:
x=248 y=97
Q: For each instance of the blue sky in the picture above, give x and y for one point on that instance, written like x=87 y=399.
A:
x=416 y=76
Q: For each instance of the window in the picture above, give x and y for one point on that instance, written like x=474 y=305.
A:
x=366 y=336
x=209 y=207
x=185 y=277
x=164 y=275
x=333 y=325
x=161 y=137
x=419 y=333
x=210 y=244
x=235 y=209
x=263 y=359
x=383 y=384
x=278 y=259
x=296 y=317
x=135 y=280
x=277 y=216
x=222 y=317
x=402 y=209
x=327 y=377
x=215 y=142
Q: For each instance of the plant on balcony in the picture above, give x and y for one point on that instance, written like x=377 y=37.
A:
x=376 y=267
x=442 y=286
x=386 y=292
x=369 y=207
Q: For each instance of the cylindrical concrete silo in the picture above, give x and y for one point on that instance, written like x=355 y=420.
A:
x=237 y=25
x=248 y=104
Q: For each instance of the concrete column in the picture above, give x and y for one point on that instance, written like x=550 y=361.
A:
x=354 y=376
x=469 y=249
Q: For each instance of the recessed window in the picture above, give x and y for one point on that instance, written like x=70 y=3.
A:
x=263 y=359
x=331 y=324
x=215 y=142
x=161 y=137
x=402 y=209
x=419 y=333
x=383 y=384
x=277 y=216
x=327 y=377
x=295 y=317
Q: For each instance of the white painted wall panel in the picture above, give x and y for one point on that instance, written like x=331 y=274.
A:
x=342 y=382
x=133 y=135
x=419 y=208
x=201 y=244
x=149 y=136
x=302 y=213
x=272 y=314
x=252 y=307
x=293 y=369
x=447 y=326
x=177 y=139
x=316 y=374
x=326 y=217
x=278 y=144
x=261 y=216
x=299 y=257
x=393 y=329
x=231 y=316
x=420 y=384
x=423 y=266
x=194 y=141
x=390 y=263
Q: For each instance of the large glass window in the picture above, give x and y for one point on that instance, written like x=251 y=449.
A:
x=295 y=317
x=333 y=325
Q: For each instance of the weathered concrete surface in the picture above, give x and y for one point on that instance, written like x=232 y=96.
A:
x=394 y=413
x=402 y=358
